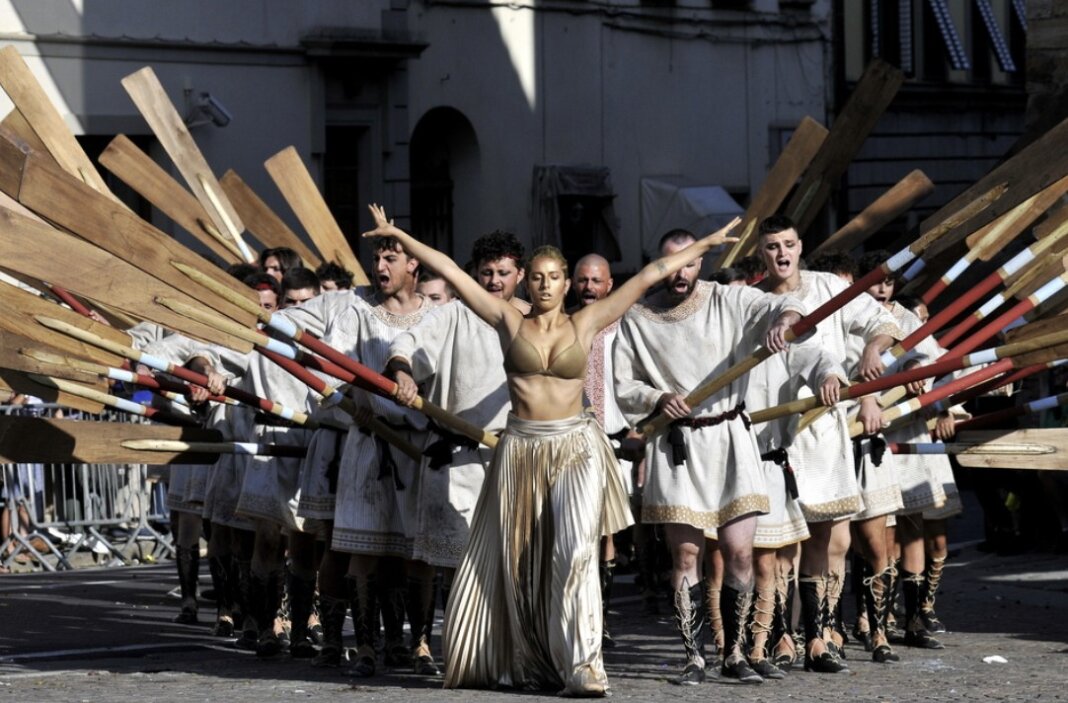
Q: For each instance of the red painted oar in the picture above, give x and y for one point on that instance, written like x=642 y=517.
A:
x=127 y=406
x=267 y=406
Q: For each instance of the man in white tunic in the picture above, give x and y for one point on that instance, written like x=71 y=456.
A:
x=457 y=357
x=706 y=472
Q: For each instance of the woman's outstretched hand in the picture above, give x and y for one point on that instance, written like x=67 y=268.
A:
x=383 y=227
x=720 y=236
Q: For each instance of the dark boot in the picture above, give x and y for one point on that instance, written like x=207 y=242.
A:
x=391 y=596
x=690 y=620
x=224 y=595
x=810 y=589
x=862 y=629
x=607 y=576
x=734 y=608
x=784 y=618
x=895 y=611
x=878 y=603
x=912 y=589
x=933 y=574
x=266 y=595
x=832 y=603
x=364 y=600
x=188 y=562
x=332 y=613
x=420 y=607
x=249 y=629
x=301 y=599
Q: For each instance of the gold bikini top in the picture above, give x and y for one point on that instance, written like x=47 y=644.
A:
x=523 y=359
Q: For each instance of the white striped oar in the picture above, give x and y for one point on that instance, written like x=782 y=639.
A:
x=127 y=406
x=245 y=448
x=1050 y=402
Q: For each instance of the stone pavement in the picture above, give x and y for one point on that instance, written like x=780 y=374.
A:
x=106 y=635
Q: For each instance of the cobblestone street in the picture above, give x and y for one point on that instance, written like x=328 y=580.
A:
x=107 y=636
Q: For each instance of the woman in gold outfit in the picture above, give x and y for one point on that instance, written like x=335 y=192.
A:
x=525 y=607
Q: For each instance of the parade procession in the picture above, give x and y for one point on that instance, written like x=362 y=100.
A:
x=386 y=457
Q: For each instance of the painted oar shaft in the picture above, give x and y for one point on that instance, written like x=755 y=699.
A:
x=111 y=401
x=72 y=302
x=242 y=396
x=856 y=429
x=959 y=305
x=997 y=324
x=245 y=448
x=367 y=378
x=929 y=448
x=1050 y=402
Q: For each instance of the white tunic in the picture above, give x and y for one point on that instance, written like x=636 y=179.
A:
x=675 y=350
x=457 y=357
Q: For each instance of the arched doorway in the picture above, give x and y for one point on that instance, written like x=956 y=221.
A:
x=444 y=166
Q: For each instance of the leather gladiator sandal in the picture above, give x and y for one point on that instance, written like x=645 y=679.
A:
x=735 y=606
x=391 y=597
x=761 y=629
x=224 y=595
x=832 y=611
x=783 y=623
x=895 y=611
x=878 y=603
x=420 y=607
x=301 y=600
x=933 y=574
x=187 y=560
x=332 y=613
x=912 y=588
x=364 y=598
x=810 y=589
x=606 y=572
x=715 y=628
x=861 y=573
x=690 y=620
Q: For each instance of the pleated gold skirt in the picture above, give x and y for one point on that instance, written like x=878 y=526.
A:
x=525 y=607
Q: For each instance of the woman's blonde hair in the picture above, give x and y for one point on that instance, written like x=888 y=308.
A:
x=548 y=251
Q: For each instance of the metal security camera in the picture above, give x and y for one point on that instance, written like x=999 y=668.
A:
x=219 y=115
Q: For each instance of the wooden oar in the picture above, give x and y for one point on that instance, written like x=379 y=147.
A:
x=1029 y=257
x=16 y=123
x=48 y=441
x=792 y=162
x=1008 y=352
x=262 y=220
x=244 y=448
x=22 y=87
x=1050 y=402
x=18 y=382
x=151 y=99
x=10 y=358
x=893 y=264
x=1055 y=438
x=127 y=406
x=136 y=169
x=939 y=448
x=154 y=362
x=871 y=96
x=292 y=178
x=286 y=357
x=367 y=378
x=901 y=198
x=70 y=204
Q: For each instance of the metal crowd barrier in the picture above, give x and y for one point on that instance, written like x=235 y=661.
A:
x=110 y=513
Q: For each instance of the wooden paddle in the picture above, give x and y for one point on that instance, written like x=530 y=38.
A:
x=869 y=99
x=244 y=448
x=792 y=162
x=19 y=382
x=293 y=179
x=136 y=169
x=262 y=220
x=46 y=441
x=11 y=358
x=151 y=100
x=37 y=110
x=901 y=198
x=1056 y=439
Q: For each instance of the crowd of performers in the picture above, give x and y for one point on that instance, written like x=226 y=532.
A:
x=518 y=540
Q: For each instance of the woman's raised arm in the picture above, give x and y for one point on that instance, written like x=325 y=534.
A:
x=490 y=308
x=612 y=307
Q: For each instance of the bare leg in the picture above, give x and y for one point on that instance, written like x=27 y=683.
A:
x=685 y=543
x=937 y=548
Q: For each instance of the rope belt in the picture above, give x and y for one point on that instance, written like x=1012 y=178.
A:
x=440 y=452
x=780 y=457
x=679 y=455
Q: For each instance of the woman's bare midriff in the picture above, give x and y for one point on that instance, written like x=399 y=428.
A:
x=538 y=397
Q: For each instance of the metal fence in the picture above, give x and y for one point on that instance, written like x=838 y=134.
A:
x=56 y=516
